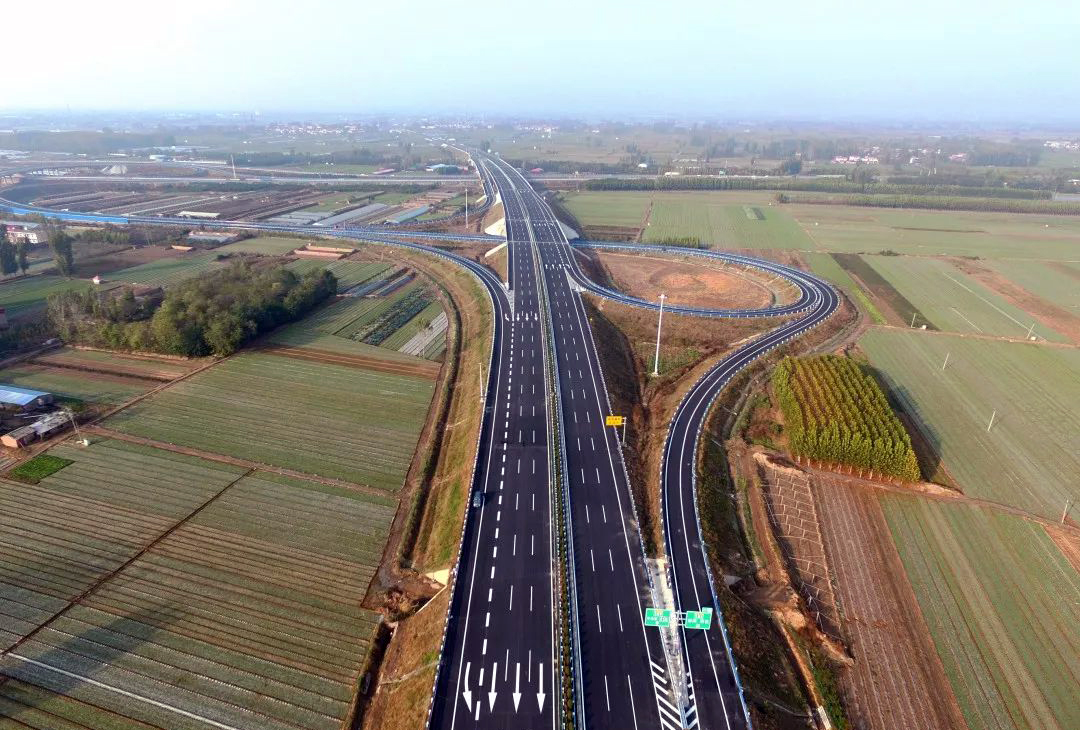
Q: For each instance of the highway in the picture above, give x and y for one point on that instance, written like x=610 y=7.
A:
x=499 y=664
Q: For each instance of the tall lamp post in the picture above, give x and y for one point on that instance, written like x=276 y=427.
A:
x=659 y=324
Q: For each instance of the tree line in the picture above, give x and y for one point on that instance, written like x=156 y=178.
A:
x=837 y=413
x=213 y=314
x=938 y=202
x=828 y=185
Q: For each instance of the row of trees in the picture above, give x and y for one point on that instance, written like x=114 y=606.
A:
x=829 y=185
x=837 y=413
x=13 y=256
x=213 y=314
x=938 y=202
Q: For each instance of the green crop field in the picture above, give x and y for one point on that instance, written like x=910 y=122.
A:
x=159 y=368
x=166 y=272
x=246 y=614
x=1003 y=608
x=1057 y=283
x=608 y=209
x=1031 y=455
x=718 y=222
x=23 y=296
x=325 y=419
x=930 y=233
x=67 y=383
x=825 y=266
x=269 y=245
x=954 y=302
x=348 y=273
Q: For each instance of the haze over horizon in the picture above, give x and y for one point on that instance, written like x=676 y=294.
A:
x=916 y=60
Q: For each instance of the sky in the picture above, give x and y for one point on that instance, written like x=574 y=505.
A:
x=971 y=60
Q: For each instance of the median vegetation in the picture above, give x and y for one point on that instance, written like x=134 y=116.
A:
x=837 y=414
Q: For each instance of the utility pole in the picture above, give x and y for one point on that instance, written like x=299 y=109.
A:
x=946 y=360
x=232 y=161
x=1030 y=330
x=991 y=424
x=659 y=324
x=1065 y=513
x=912 y=320
x=466 y=206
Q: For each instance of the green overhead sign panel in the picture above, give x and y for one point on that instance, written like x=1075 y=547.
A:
x=660 y=617
x=666 y=618
x=699 y=619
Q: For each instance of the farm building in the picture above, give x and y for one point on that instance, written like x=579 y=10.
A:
x=12 y=396
x=42 y=428
x=23 y=231
x=408 y=215
x=218 y=238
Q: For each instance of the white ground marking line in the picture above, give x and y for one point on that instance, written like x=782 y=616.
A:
x=483 y=650
x=534 y=502
x=633 y=712
x=517 y=495
x=611 y=560
x=530 y=599
x=599 y=621
x=492 y=577
x=122 y=692
x=490 y=590
x=495 y=552
x=592 y=561
x=511 y=608
x=603 y=511
x=487 y=619
x=491 y=693
x=513 y=548
x=586 y=514
x=496 y=533
x=618 y=609
x=532 y=544
x=506 y=665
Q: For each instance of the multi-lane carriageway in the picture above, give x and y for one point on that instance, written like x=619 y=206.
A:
x=499 y=665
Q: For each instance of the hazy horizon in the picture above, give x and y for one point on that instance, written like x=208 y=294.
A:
x=785 y=61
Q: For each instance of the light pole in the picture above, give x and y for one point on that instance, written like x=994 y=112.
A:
x=659 y=324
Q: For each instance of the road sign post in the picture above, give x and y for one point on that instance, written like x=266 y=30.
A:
x=617 y=421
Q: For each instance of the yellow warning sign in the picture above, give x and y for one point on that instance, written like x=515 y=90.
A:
x=614 y=420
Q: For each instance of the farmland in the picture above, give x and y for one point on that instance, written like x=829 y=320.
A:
x=23 y=296
x=1031 y=455
x=1057 y=283
x=165 y=272
x=72 y=384
x=155 y=368
x=268 y=245
x=1003 y=607
x=953 y=301
x=716 y=219
x=321 y=418
x=931 y=233
x=216 y=593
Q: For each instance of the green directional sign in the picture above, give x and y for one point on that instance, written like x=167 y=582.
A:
x=660 y=617
x=699 y=619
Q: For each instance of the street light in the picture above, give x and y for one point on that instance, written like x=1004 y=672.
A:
x=659 y=323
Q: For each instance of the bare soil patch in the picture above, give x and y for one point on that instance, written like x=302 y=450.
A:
x=897 y=679
x=687 y=283
x=1050 y=314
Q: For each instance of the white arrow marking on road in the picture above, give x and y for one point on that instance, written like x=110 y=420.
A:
x=467 y=695
x=540 y=695
x=517 y=686
x=492 y=693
